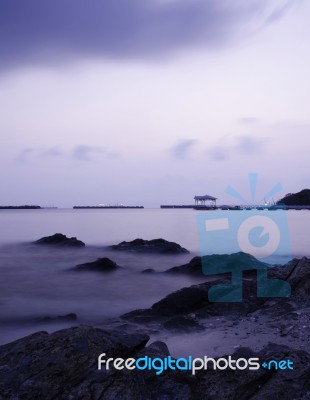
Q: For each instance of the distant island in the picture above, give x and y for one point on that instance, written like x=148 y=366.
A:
x=24 y=207
x=105 y=207
x=301 y=198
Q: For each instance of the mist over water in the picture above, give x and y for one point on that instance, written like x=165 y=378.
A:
x=38 y=281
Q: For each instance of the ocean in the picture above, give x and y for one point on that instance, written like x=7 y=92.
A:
x=38 y=281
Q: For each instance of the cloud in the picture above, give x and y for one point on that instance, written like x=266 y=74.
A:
x=25 y=155
x=79 y=153
x=51 y=152
x=244 y=145
x=31 y=153
x=183 y=148
x=250 y=145
x=281 y=10
x=84 y=152
x=35 y=31
x=219 y=153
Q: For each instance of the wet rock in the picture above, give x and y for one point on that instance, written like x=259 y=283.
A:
x=195 y=299
x=299 y=279
x=58 y=239
x=194 y=267
x=159 y=246
x=217 y=264
x=182 y=301
x=63 y=365
x=100 y=265
x=263 y=383
x=148 y=271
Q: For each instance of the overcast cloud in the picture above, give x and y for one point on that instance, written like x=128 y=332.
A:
x=35 y=31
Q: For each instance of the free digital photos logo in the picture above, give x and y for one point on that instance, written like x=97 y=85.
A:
x=261 y=232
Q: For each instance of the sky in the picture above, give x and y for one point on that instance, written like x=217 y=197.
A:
x=152 y=102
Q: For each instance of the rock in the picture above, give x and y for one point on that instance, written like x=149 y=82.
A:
x=216 y=264
x=59 y=318
x=195 y=298
x=194 y=267
x=183 y=301
x=299 y=279
x=148 y=271
x=160 y=246
x=60 y=240
x=100 y=265
x=63 y=365
x=263 y=383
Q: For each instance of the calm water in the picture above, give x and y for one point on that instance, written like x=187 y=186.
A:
x=38 y=281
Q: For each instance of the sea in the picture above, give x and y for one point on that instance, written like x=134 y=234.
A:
x=39 y=282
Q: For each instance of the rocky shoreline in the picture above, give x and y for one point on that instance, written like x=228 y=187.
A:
x=63 y=364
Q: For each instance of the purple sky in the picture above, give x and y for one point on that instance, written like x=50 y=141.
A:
x=152 y=102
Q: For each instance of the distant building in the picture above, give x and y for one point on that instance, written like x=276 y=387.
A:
x=201 y=200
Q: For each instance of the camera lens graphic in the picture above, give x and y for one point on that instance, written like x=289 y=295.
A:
x=268 y=230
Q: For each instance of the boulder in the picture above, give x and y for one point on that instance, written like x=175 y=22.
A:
x=100 y=265
x=217 y=264
x=194 y=267
x=264 y=383
x=160 y=246
x=58 y=239
x=195 y=299
x=64 y=365
x=148 y=271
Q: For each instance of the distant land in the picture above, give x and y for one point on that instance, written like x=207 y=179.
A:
x=301 y=198
x=105 y=207
x=24 y=207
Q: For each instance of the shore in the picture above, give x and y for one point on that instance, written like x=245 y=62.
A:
x=63 y=364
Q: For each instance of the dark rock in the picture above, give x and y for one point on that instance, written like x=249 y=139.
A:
x=63 y=365
x=59 y=318
x=217 y=264
x=297 y=274
x=182 y=301
x=148 y=271
x=195 y=298
x=160 y=246
x=100 y=265
x=60 y=240
x=299 y=279
x=267 y=384
x=194 y=267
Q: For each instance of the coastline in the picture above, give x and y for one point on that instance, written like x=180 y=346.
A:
x=261 y=327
